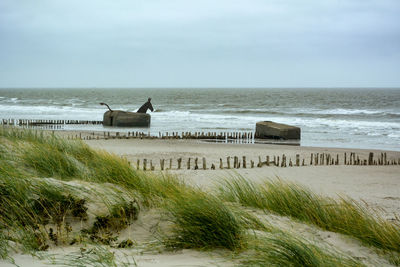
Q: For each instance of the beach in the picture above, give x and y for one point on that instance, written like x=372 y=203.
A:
x=376 y=186
x=348 y=158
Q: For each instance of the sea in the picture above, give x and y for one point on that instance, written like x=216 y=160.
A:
x=366 y=118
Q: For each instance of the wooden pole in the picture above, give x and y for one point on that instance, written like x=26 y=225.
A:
x=220 y=164
x=244 y=162
x=228 y=162
x=204 y=163
x=370 y=158
x=144 y=164
x=188 y=164
x=196 y=167
x=179 y=163
x=162 y=164
x=151 y=165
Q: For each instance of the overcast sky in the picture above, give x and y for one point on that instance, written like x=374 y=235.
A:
x=199 y=43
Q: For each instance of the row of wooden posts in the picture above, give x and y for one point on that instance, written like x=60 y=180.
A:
x=55 y=124
x=26 y=122
x=246 y=136
x=315 y=159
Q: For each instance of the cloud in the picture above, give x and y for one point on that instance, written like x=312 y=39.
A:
x=178 y=43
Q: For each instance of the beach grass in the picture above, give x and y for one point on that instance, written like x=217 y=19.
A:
x=31 y=154
x=203 y=221
x=343 y=215
x=285 y=249
x=31 y=202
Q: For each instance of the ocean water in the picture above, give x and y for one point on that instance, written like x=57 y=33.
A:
x=337 y=117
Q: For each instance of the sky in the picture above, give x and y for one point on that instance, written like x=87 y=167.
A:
x=200 y=43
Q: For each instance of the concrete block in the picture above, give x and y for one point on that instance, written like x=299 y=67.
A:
x=269 y=129
x=121 y=118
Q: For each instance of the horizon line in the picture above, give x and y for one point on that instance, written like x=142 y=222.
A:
x=202 y=87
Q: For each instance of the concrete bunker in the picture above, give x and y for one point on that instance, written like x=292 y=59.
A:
x=273 y=130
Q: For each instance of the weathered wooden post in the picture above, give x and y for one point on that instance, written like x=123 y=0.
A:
x=297 y=160
x=204 y=163
x=267 y=161
x=196 y=167
x=188 y=164
x=244 y=162
x=179 y=163
x=228 y=162
x=144 y=164
x=283 y=163
x=221 y=166
x=259 y=162
x=151 y=165
x=212 y=166
x=162 y=164
x=138 y=164
x=311 y=160
x=170 y=163
x=370 y=158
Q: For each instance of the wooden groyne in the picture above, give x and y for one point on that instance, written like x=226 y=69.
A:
x=242 y=137
x=281 y=161
x=26 y=122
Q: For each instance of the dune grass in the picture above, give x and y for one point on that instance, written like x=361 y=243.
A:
x=202 y=221
x=284 y=249
x=343 y=215
x=29 y=154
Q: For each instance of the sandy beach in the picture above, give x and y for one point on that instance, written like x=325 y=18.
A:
x=379 y=186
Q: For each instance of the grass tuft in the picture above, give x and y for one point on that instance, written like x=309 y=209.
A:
x=203 y=221
x=284 y=249
x=345 y=215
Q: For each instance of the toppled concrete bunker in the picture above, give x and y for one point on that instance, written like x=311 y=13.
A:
x=273 y=130
x=121 y=118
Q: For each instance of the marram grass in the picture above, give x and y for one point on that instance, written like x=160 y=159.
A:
x=344 y=215
x=29 y=154
x=200 y=220
x=284 y=249
x=203 y=221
